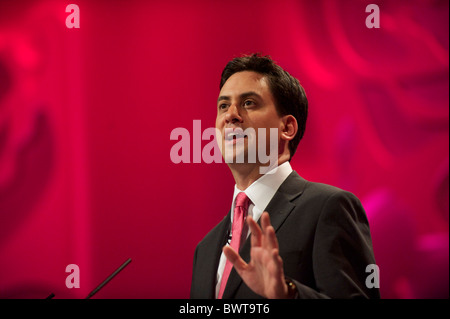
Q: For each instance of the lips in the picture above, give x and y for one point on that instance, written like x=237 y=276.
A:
x=234 y=135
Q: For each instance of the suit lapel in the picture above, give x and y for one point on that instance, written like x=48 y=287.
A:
x=282 y=204
x=279 y=209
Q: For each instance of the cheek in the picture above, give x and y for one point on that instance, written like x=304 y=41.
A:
x=219 y=127
x=270 y=122
x=218 y=122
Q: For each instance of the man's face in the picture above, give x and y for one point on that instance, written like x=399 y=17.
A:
x=245 y=101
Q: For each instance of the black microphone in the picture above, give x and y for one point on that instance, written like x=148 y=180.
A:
x=93 y=292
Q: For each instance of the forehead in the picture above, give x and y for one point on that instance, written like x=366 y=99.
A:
x=245 y=81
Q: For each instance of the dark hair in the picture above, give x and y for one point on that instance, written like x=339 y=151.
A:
x=290 y=97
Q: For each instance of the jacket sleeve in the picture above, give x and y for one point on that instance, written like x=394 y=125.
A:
x=341 y=252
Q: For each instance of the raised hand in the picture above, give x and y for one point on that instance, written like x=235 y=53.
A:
x=264 y=273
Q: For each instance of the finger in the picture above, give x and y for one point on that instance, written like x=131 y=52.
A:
x=277 y=273
x=234 y=258
x=255 y=232
x=278 y=262
x=265 y=221
x=271 y=238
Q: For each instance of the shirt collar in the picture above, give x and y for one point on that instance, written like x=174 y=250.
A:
x=263 y=189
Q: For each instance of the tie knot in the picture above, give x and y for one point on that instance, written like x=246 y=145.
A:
x=242 y=200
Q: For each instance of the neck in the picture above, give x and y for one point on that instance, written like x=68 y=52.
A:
x=246 y=174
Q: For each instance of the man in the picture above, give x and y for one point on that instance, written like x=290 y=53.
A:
x=300 y=239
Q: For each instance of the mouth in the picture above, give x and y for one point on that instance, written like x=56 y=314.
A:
x=233 y=135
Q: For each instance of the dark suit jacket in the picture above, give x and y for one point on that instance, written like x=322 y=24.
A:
x=324 y=241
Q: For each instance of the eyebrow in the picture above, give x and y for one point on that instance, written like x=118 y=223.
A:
x=241 y=96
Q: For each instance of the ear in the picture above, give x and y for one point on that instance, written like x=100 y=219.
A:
x=289 y=127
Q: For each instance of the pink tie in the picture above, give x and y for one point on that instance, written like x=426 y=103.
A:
x=240 y=211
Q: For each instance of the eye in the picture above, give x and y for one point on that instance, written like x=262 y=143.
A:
x=223 y=106
x=248 y=103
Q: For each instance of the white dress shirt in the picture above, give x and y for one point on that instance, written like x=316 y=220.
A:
x=260 y=194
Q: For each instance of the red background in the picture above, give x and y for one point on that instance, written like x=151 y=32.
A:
x=86 y=115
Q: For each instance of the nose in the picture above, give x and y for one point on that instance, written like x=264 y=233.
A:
x=232 y=115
